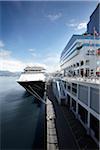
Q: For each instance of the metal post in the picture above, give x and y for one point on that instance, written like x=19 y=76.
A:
x=88 y=121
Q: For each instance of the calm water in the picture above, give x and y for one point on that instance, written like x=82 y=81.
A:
x=18 y=115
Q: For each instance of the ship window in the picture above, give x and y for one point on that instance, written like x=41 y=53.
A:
x=78 y=72
x=83 y=113
x=82 y=72
x=74 y=65
x=74 y=104
x=87 y=72
x=74 y=88
x=68 y=87
x=77 y=64
x=82 y=63
x=94 y=125
x=87 y=62
x=91 y=71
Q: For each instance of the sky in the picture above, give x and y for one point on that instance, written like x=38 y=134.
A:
x=36 y=32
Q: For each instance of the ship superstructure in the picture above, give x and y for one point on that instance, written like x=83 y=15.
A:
x=33 y=80
x=81 y=56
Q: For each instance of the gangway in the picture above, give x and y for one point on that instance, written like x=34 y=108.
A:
x=59 y=90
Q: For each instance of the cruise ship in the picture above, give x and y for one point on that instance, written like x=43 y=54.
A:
x=81 y=56
x=33 y=80
x=79 y=85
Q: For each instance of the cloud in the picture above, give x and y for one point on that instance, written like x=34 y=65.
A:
x=77 y=26
x=82 y=25
x=17 y=65
x=1 y=44
x=7 y=62
x=52 y=57
x=11 y=65
x=49 y=62
x=4 y=53
x=72 y=20
x=54 y=17
x=52 y=61
x=32 y=52
x=36 y=64
x=72 y=25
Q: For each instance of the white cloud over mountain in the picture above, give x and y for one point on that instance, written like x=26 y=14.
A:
x=11 y=65
x=49 y=61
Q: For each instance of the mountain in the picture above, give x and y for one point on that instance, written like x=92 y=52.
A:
x=8 y=73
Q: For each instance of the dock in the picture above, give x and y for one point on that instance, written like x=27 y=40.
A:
x=70 y=133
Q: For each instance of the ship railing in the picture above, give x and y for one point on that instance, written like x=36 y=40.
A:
x=30 y=72
x=91 y=79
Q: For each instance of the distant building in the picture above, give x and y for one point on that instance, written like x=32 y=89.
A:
x=94 y=21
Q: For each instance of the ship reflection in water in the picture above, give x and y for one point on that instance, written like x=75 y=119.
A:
x=19 y=115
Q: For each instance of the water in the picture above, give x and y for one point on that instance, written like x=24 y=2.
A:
x=19 y=115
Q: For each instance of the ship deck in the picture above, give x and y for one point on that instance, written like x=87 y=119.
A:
x=86 y=81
